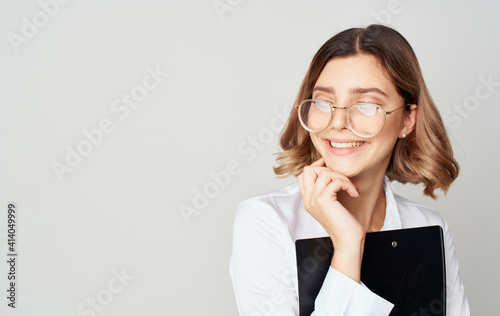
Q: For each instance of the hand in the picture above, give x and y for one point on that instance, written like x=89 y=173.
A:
x=320 y=186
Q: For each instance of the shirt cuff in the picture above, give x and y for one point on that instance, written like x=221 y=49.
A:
x=340 y=295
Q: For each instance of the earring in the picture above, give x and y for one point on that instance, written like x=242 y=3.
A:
x=403 y=136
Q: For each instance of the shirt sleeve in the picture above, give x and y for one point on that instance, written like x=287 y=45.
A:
x=456 y=302
x=264 y=277
x=340 y=295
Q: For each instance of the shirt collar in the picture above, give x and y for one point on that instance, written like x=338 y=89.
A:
x=392 y=219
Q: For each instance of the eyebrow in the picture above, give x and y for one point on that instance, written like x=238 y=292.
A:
x=351 y=91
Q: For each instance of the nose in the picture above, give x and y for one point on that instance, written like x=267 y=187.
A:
x=339 y=120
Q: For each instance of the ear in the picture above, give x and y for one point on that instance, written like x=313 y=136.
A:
x=409 y=121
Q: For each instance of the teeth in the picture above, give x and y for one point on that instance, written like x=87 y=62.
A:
x=346 y=145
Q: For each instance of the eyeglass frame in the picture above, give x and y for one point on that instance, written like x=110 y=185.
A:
x=348 y=118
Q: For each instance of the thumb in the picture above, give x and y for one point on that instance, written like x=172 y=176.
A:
x=318 y=163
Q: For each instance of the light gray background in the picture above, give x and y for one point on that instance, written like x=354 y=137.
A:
x=229 y=74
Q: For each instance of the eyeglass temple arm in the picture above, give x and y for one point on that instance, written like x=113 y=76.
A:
x=390 y=112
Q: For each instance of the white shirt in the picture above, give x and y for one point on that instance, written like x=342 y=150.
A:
x=263 y=263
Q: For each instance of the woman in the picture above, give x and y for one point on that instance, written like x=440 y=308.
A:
x=363 y=116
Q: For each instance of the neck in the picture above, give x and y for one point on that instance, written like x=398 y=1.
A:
x=369 y=207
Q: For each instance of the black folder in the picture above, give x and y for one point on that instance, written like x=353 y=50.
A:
x=405 y=266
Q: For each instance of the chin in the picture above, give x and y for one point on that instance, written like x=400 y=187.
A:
x=346 y=169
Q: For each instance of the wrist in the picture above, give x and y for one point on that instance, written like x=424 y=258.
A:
x=350 y=251
x=347 y=258
x=351 y=242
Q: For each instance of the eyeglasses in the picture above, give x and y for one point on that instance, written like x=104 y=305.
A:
x=364 y=119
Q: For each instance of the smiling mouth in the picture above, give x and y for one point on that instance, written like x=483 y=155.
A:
x=346 y=145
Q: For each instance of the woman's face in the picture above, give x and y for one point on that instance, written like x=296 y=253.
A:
x=347 y=80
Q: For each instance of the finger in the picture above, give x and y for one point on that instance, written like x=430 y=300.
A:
x=330 y=173
x=311 y=174
x=318 y=163
x=340 y=184
x=300 y=181
x=319 y=166
x=326 y=177
x=308 y=181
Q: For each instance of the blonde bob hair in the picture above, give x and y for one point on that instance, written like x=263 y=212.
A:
x=424 y=156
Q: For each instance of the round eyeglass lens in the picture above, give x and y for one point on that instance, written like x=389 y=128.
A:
x=315 y=115
x=366 y=119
